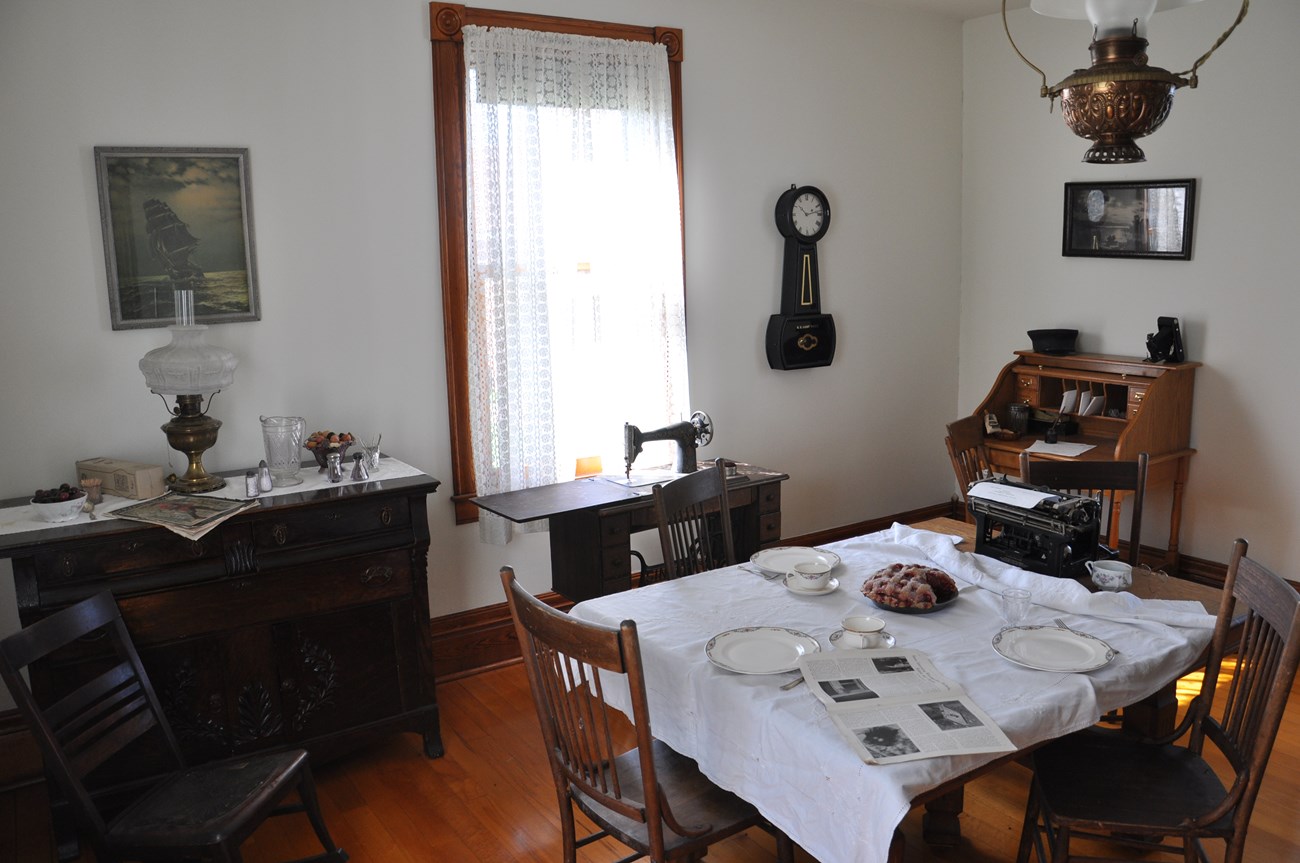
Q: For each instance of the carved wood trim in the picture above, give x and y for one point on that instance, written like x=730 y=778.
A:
x=446 y=21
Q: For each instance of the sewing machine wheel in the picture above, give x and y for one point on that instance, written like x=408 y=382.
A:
x=703 y=428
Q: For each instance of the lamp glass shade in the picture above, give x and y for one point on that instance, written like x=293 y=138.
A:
x=1108 y=17
x=189 y=365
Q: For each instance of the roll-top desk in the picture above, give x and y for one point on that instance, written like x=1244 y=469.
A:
x=301 y=622
x=1147 y=407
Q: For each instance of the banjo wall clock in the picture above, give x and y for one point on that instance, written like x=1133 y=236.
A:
x=801 y=337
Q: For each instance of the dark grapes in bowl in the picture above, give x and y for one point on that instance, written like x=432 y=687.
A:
x=58 y=504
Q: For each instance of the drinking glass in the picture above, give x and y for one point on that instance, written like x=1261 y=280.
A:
x=1015 y=606
x=283 y=439
x=369 y=443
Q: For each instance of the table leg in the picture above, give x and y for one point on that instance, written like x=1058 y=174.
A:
x=1154 y=716
x=1176 y=514
x=940 y=824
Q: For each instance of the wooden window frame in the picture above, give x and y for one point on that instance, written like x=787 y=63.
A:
x=446 y=21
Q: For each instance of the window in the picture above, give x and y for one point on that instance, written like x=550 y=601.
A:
x=591 y=306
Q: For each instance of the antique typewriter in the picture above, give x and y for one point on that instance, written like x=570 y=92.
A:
x=1045 y=531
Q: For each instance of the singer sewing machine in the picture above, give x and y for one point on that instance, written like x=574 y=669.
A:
x=690 y=434
x=1055 y=536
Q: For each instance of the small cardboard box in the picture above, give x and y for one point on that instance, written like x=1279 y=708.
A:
x=128 y=479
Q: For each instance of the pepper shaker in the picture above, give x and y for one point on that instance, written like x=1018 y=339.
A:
x=334 y=465
x=359 y=471
x=264 y=476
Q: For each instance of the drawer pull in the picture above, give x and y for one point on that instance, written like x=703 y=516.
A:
x=67 y=565
x=377 y=576
x=280 y=533
x=386 y=516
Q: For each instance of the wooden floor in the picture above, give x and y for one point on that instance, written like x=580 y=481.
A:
x=491 y=799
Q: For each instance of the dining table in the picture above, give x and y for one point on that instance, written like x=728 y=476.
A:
x=757 y=732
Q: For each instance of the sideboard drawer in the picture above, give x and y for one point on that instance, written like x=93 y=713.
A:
x=261 y=598
x=296 y=528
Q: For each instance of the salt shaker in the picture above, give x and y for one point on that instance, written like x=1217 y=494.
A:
x=359 y=471
x=251 y=487
x=264 y=476
x=334 y=465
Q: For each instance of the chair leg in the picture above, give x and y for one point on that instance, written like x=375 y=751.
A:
x=1029 y=830
x=311 y=805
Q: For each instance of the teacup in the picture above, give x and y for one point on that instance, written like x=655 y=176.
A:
x=810 y=575
x=862 y=632
x=1110 y=574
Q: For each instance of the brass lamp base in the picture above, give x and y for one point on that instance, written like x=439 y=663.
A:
x=193 y=433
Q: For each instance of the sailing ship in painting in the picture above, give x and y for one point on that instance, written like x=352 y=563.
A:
x=172 y=245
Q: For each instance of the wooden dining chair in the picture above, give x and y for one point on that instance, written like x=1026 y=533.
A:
x=970 y=458
x=183 y=813
x=694 y=520
x=1108 y=481
x=651 y=798
x=1165 y=794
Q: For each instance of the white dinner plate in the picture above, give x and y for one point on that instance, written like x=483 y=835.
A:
x=886 y=641
x=821 y=591
x=760 y=649
x=780 y=560
x=1050 y=648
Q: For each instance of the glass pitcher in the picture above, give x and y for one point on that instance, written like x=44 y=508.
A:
x=283 y=439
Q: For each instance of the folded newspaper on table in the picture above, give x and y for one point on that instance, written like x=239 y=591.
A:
x=894 y=705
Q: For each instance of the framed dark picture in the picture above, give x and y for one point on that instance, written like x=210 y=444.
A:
x=1143 y=219
x=177 y=218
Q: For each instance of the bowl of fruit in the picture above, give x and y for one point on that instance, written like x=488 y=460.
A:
x=58 y=504
x=322 y=443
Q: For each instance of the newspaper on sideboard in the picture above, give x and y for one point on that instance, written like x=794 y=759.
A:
x=894 y=705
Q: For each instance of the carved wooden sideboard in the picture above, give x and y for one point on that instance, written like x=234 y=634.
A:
x=302 y=622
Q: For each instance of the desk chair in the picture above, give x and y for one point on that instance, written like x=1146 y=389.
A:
x=1163 y=795
x=1105 y=480
x=650 y=798
x=695 y=522
x=970 y=458
x=202 y=812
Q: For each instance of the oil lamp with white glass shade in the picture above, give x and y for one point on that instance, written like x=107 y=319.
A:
x=1119 y=97
x=189 y=369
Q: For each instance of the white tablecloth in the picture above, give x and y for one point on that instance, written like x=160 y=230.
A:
x=780 y=751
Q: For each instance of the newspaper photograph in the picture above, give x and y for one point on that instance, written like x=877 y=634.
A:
x=895 y=706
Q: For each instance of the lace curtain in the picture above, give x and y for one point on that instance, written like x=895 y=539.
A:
x=576 y=303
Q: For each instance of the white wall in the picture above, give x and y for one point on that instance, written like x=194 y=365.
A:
x=1237 y=298
x=332 y=98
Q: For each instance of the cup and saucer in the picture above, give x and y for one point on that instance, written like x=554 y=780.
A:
x=860 y=632
x=811 y=578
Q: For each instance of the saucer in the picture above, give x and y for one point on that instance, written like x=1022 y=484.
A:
x=831 y=586
x=886 y=641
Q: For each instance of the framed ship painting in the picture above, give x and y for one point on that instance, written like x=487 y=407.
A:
x=177 y=218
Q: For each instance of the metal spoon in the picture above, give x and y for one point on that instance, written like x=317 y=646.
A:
x=792 y=684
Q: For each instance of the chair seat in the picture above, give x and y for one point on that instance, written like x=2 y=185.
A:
x=694 y=799
x=197 y=806
x=1108 y=778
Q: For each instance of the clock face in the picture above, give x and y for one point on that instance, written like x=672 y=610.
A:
x=803 y=214
x=808 y=213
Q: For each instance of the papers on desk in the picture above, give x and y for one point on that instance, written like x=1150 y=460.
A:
x=894 y=705
x=1069 y=450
